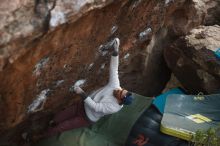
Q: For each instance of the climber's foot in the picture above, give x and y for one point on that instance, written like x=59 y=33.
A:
x=116 y=44
x=52 y=123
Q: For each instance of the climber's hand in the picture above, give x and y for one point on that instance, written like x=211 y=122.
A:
x=78 y=90
x=116 y=44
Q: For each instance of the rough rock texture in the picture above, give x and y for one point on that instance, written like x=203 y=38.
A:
x=213 y=13
x=193 y=61
x=23 y=22
x=172 y=83
x=47 y=45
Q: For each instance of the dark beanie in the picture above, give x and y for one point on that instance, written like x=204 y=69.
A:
x=128 y=98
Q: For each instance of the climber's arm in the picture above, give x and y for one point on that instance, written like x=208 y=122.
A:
x=103 y=107
x=82 y=93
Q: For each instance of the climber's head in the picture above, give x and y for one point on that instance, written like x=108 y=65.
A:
x=123 y=96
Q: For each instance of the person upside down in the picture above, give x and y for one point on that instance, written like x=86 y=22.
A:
x=106 y=100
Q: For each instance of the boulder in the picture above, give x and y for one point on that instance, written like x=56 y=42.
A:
x=48 y=45
x=193 y=62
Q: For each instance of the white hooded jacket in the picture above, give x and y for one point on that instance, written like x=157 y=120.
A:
x=102 y=102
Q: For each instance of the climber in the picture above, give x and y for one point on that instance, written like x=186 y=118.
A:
x=107 y=100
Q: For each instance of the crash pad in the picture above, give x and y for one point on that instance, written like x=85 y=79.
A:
x=146 y=131
x=184 y=115
x=111 y=130
x=217 y=53
x=160 y=100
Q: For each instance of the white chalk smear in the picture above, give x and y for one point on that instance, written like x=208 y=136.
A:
x=114 y=29
x=59 y=82
x=57 y=18
x=102 y=51
x=136 y=3
x=103 y=66
x=78 y=4
x=168 y=1
x=126 y=56
x=40 y=65
x=33 y=107
x=144 y=34
x=90 y=66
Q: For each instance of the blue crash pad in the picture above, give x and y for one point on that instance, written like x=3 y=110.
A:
x=160 y=100
x=217 y=53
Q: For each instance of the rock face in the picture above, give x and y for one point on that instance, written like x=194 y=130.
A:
x=48 y=45
x=213 y=12
x=193 y=61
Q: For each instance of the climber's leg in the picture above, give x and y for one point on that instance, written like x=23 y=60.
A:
x=68 y=113
x=78 y=120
